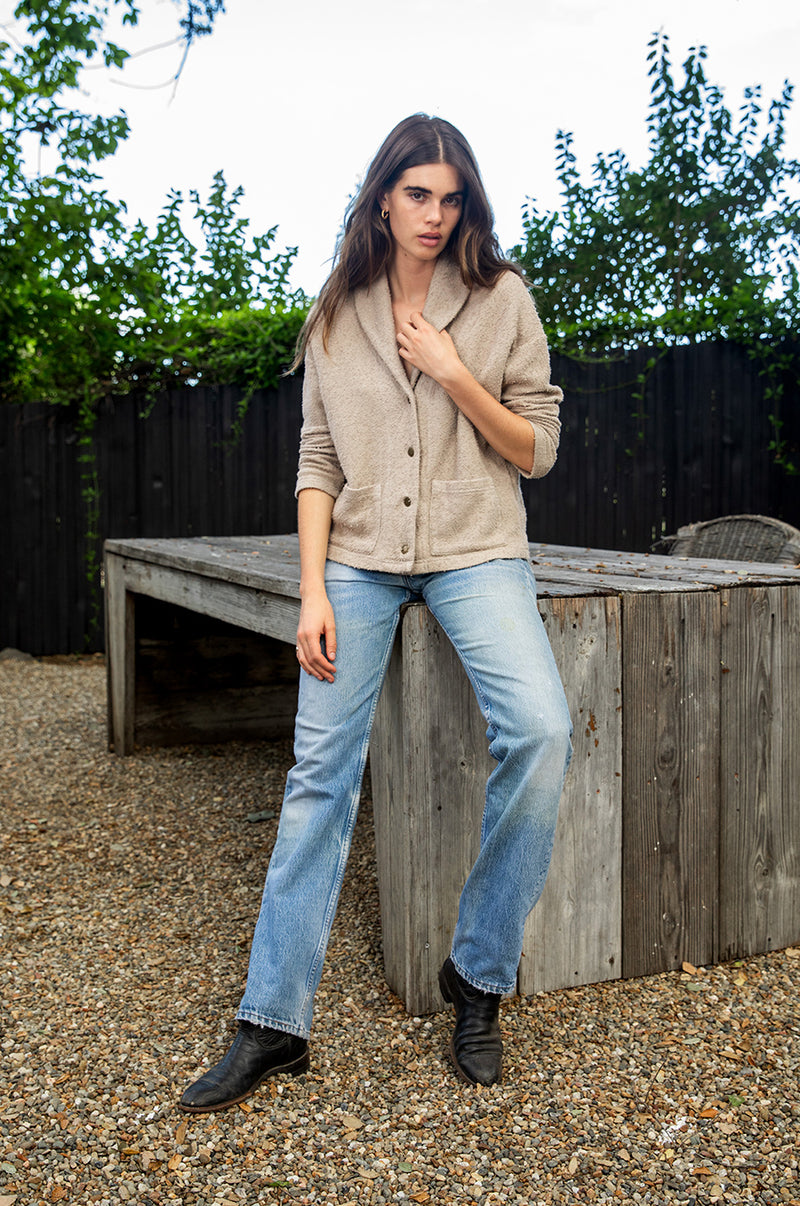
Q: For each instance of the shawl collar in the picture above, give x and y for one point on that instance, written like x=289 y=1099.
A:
x=446 y=297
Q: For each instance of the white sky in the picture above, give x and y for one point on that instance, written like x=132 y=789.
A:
x=291 y=100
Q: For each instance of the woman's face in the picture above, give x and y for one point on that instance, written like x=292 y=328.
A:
x=424 y=207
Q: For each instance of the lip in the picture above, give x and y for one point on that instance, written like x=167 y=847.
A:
x=431 y=239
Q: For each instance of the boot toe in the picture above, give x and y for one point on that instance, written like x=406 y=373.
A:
x=482 y=1066
x=252 y=1057
x=203 y=1094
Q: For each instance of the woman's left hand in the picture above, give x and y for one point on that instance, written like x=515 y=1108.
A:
x=432 y=352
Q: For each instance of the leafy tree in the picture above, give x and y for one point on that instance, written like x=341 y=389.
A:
x=88 y=304
x=701 y=243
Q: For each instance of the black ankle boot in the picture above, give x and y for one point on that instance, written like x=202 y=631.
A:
x=256 y=1053
x=475 y=1047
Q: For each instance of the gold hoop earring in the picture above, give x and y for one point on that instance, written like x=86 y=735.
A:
x=384 y=214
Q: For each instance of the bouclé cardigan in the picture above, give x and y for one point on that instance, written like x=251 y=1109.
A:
x=417 y=487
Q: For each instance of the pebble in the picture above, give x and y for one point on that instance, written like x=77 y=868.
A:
x=128 y=891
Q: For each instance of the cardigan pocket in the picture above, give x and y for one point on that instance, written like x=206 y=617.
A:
x=464 y=516
x=356 y=519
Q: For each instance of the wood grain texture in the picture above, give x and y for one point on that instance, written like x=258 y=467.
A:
x=430 y=763
x=428 y=791
x=760 y=771
x=390 y=803
x=272 y=563
x=670 y=780
x=268 y=563
x=700 y=761
x=120 y=659
x=574 y=933
x=657 y=568
x=257 y=610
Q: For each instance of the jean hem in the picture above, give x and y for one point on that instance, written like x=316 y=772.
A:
x=483 y=985
x=261 y=1019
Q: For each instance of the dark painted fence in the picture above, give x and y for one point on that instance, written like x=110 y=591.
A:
x=635 y=462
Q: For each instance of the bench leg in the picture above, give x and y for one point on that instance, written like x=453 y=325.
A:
x=120 y=656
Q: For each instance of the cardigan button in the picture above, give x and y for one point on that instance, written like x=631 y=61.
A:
x=404 y=548
x=411 y=452
x=406 y=502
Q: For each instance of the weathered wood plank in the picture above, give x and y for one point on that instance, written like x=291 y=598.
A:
x=258 y=610
x=272 y=563
x=429 y=797
x=574 y=934
x=120 y=660
x=548 y=587
x=670 y=780
x=760 y=771
x=264 y=563
x=592 y=579
x=390 y=804
x=657 y=567
x=430 y=763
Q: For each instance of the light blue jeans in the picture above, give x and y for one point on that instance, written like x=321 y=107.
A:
x=489 y=614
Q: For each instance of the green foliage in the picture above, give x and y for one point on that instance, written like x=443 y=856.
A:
x=701 y=243
x=47 y=222
x=193 y=305
x=88 y=304
x=90 y=494
x=249 y=348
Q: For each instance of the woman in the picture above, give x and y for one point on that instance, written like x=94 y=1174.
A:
x=426 y=394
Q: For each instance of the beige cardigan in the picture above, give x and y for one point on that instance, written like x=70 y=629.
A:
x=417 y=487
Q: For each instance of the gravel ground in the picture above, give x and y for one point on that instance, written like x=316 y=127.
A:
x=128 y=889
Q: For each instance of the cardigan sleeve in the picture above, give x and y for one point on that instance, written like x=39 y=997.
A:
x=527 y=390
x=318 y=466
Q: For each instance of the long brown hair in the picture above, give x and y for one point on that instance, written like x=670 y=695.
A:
x=365 y=246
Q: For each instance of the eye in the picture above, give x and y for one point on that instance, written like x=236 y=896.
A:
x=456 y=201
x=416 y=196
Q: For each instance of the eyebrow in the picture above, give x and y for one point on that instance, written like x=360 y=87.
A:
x=417 y=188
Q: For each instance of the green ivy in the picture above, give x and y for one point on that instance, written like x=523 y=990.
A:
x=90 y=496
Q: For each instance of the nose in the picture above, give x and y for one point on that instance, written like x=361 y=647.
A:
x=435 y=212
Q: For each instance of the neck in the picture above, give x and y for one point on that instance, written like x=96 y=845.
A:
x=409 y=281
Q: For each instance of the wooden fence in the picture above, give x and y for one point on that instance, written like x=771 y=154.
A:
x=638 y=458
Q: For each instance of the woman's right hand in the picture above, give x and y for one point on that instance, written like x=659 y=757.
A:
x=316 y=636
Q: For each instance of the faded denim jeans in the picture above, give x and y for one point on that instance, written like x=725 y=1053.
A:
x=489 y=613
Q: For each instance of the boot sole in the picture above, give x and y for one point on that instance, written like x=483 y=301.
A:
x=295 y=1068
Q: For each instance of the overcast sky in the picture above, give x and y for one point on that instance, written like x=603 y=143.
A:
x=292 y=99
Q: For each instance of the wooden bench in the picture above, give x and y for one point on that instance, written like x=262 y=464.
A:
x=679 y=831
